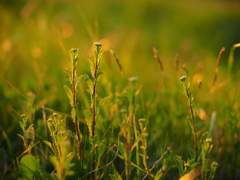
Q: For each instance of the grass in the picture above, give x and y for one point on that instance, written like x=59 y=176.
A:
x=117 y=109
x=119 y=134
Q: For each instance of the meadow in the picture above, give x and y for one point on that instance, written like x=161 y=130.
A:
x=119 y=89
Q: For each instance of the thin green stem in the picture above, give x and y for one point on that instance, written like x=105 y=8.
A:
x=137 y=148
x=94 y=99
x=189 y=96
x=75 y=119
x=192 y=120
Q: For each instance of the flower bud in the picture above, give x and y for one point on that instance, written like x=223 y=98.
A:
x=183 y=78
x=98 y=44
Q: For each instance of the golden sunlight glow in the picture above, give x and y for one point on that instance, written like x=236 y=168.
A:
x=6 y=45
x=67 y=30
x=36 y=52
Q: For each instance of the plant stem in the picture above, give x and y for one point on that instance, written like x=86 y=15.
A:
x=217 y=65
x=93 y=125
x=137 y=147
x=193 y=122
x=75 y=120
x=94 y=99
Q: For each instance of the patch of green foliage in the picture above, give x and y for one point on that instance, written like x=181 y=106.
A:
x=117 y=110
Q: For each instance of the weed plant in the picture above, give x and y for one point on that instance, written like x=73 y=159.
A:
x=117 y=131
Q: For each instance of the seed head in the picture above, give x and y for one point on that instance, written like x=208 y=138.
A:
x=183 y=78
x=98 y=44
x=74 y=50
x=55 y=115
x=133 y=79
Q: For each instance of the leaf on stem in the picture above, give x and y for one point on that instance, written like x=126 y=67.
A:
x=99 y=75
x=91 y=64
x=179 y=162
x=49 y=145
x=89 y=83
x=73 y=114
x=88 y=119
x=23 y=139
x=69 y=94
x=69 y=75
x=101 y=103
x=29 y=167
x=22 y=125
x=78 y=79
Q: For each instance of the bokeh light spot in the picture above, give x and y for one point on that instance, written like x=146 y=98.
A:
x=67 y=30
x=6 y=45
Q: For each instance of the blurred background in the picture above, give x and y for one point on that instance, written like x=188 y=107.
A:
x=36 y=35
x=39 y=33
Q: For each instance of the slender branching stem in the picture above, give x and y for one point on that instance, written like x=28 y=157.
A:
x=193 y=122
x=137 y=147
x=94 y=99
x=94 y=123
x=75 y=119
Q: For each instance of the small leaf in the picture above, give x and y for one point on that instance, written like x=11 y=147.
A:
x=99 y=74
x=69 y=94
x=87 y=116
x=88 y=91
x=24 y=118
x=89 y=83
x=54 y=161
x=214 y=167
x=79 y=78
x=191 y=126
x=73 y=113
x=29 y=167
x=69 y=75
x=30 y=127
x=194 y=164
x=101 y=103
x=143 y=147
x=122 y=149
x=49 y=144
x=91 y=63
x=179 y=162
x=191 y=153
x=158 y=175
x=22 y=126
x=21 y=137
